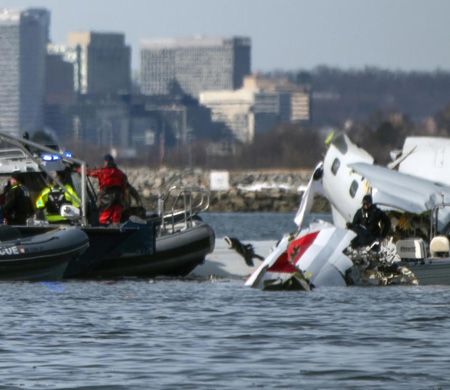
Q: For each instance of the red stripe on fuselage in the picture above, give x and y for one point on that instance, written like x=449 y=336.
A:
x=282 y=265
x=303 y=243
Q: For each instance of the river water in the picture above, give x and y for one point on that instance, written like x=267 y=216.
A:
x=216 y=334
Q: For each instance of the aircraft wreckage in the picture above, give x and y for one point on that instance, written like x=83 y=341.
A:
x=414 y=191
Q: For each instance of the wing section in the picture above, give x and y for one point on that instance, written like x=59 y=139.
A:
x=401 y=191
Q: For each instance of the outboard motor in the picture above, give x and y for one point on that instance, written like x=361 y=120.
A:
x=411 y=249
x=439 y=246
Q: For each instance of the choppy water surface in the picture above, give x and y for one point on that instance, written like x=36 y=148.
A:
x=217 y=334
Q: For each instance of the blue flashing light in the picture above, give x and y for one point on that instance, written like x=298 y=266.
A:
x=46 y=157
x=68 y=154
x=50 y=157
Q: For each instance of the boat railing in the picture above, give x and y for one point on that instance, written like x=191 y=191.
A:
x=16 y=160
x=12 y=154
x=186 y=203
x=30 y=156
x=434 y=219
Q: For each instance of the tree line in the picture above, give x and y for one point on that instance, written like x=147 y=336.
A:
x=339 y=95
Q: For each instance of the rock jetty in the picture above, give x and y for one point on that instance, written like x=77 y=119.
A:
x=263 y=191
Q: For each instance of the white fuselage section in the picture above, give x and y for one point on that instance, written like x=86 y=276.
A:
x=427 y=157
x=343 y=187
x=418 y=182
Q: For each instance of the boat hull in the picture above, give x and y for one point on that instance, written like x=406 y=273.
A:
x=174 y=255
x=132 y=250
x=431 y=271
x=41 y=256
x=102 y=241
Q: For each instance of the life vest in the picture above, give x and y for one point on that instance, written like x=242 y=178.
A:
x=52 y=198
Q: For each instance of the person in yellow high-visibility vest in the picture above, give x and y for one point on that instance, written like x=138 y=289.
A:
x=53 y=197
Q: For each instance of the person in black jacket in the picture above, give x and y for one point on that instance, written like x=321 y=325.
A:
x=369 y=223
x=18 y=206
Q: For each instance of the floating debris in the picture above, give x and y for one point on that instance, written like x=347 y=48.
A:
x=296 y=282
x=377 y=268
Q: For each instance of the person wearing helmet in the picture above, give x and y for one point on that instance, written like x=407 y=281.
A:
x=369 y=223
x=53 y=197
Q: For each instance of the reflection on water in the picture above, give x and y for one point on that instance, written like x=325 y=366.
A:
x=52 y=286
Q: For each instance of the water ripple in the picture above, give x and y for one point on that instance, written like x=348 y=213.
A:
x=170 y=333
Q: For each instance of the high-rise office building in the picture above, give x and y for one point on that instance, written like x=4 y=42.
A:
x=60 y=75
x=103 y=62
x=90 y=73
x=194 y=65
x=87 y=80
x=24 y=34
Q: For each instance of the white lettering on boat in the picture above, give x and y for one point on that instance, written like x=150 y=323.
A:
x=9 y=251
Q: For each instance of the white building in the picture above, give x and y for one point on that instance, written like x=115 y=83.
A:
x=245 y=112
x=259 y=105
x=295 y=99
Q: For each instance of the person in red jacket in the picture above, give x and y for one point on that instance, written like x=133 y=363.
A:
x=112 y=182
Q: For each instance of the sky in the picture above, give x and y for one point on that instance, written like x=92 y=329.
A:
x=405 y=35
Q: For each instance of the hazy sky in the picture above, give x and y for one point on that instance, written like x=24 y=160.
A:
x=286 y=34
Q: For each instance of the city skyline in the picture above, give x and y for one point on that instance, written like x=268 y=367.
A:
x=286 y=34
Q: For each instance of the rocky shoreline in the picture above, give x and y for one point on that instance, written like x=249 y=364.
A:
x=256 y=191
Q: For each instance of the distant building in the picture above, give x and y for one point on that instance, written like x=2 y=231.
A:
x=295 y=99
x=259 y=105
x=194 y=65
x=86 y=82
x=178 y=119
x=102 y=62
x=60 y=75
x=24 y=34
x=102 y=122
x=244 y=112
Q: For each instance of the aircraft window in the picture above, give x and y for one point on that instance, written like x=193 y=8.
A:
x=353 y=188
x=335 y=166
